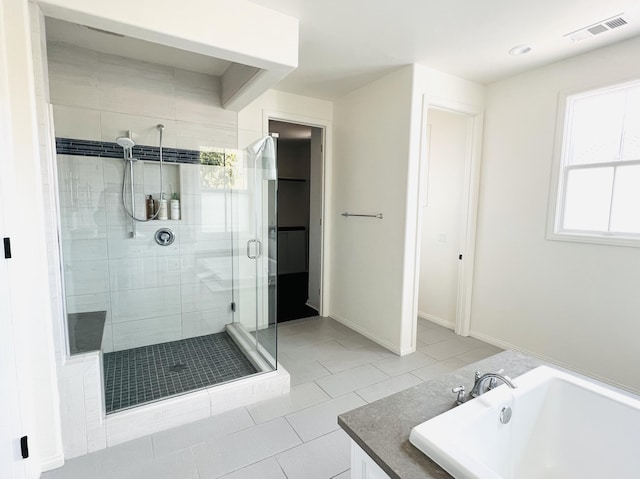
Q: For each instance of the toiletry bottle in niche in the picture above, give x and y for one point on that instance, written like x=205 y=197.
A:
x=175 y=207
x=151 y=207
x=162 y=210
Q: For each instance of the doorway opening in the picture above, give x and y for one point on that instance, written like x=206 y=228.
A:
x=299 y=213
x=444 y=217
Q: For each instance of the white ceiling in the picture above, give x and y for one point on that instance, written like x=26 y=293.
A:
x=345 y=44
x=141 y=50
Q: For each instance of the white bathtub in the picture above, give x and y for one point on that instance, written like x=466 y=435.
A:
x=562 y=427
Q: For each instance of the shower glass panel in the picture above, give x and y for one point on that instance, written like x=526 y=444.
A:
x=168 y=317
x=254 y=216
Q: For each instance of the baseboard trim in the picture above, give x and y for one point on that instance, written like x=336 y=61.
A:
x=385 y=344
x=405 y=351
x=52 y=462
x=507 y=345
x=437 y=320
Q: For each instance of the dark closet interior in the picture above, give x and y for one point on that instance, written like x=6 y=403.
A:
x=294 y=159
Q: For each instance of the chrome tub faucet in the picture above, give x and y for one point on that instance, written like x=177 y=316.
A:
x=482 y=384
x=480 y=387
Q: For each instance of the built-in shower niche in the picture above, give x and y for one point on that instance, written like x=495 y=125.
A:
x=147 y=184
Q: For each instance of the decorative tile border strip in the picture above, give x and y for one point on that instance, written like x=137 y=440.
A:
x=106 y=149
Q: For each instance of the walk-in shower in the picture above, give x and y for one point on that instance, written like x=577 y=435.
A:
x=173 y=304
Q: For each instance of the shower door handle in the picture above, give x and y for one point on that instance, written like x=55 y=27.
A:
x=258 y=249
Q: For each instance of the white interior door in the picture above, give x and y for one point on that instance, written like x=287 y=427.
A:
x=12 y=465
x=442 y=218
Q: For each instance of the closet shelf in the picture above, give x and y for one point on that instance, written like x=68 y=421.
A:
x=290 y=178
x=292 y=228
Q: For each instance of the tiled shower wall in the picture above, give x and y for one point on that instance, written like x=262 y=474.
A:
x=151 y=293
x=97 y=96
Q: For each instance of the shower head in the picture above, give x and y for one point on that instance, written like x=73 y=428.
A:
x=125 y=142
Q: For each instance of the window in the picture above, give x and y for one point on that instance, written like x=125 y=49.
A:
x=598 y=184
x=222 y=181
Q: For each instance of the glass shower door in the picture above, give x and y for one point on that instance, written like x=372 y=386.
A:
x=254 y=213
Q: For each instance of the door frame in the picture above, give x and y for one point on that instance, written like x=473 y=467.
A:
x=325 y=227
x=470 y=200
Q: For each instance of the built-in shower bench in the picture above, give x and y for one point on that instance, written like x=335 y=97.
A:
x=85 y=331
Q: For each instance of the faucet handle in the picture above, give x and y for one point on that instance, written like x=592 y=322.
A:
x=493 y=382
x=460 y=391
x=478 y=375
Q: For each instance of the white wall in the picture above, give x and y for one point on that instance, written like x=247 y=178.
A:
x=441 y=217
x=373 y=130
x=252 y=120
x=379 y=169
x=23 y=221
x=575 y=304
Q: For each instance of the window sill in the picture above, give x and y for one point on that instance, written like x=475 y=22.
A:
x=593 y=238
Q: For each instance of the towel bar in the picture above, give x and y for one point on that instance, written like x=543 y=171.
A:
x=346 y=215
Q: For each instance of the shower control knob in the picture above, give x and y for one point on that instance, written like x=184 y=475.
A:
x=165 y=237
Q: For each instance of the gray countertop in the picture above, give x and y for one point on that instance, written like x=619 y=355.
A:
x=382 y=428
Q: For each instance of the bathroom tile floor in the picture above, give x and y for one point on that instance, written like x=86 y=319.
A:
x=296 y=436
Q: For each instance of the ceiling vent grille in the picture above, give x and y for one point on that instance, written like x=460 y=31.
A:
x=615 y=23
x=596 y=28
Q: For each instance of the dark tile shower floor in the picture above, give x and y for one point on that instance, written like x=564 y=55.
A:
x=140 y=375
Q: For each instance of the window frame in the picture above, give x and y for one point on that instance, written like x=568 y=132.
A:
x=559 y=174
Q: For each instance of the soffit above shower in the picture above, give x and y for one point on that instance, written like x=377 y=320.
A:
x=132 y=48
x=250 y=47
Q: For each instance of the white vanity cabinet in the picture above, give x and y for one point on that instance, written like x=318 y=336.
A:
x=363 y=467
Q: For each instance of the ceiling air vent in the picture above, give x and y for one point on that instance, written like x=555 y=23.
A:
x=616 y=22
x=596 y=28
x=600 y=28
